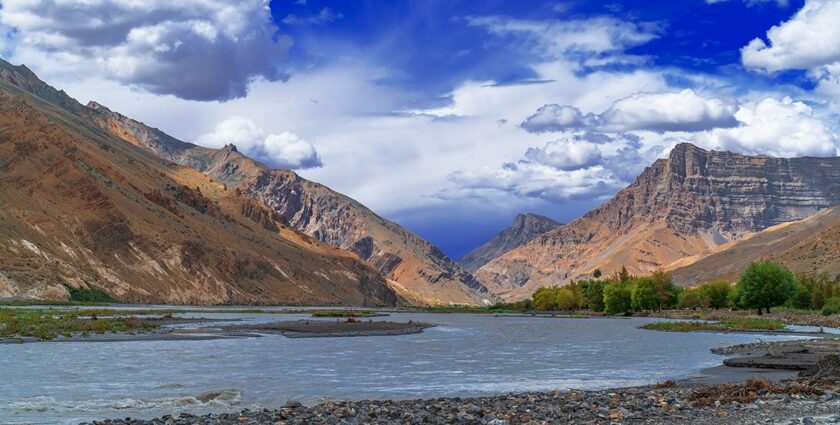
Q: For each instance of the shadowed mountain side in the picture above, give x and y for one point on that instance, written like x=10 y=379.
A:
x=525 y=228
x=684 y=205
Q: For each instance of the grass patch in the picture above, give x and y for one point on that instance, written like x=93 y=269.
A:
x=50 y=324
x=89 y=295
x=729 y=324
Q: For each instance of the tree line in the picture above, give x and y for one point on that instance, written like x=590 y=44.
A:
x=760 y=287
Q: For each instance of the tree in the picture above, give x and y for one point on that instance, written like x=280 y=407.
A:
x=801 y=298
x=624 y=275
x=693 y=298
x=617 y=298
x=565 y=299
x=643 y=294
x=666 y=292
x=597 y=273
x=765 y=285
x=544 y=299
x=593 y=292
x=716 y=293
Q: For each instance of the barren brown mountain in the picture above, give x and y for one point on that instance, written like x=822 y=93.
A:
x=82 y=208
x=811 y=245
x=684 y=205
x=525 y=227
x=417 y=269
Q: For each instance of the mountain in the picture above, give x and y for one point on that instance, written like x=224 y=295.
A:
x=525 y=227
x=683 y=205
x=420 y=271
x=82 y=208
x=811 y=245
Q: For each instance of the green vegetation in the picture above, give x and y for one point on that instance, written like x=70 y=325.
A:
x=765 y=285
x=618 y=298
x=716 y=294
x=832 y=306
x=91 y=294
x=49 y=324
x=724 y=325
x=693 y=298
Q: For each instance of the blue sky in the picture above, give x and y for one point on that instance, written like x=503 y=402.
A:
x=451 y=116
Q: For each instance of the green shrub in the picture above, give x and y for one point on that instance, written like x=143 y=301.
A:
x=617 y=298
x=643 y=295
x=89 y=295
x=716 y=294
x=693 y=298
x=832 y=306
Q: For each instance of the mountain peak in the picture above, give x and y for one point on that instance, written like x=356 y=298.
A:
x=524 y=228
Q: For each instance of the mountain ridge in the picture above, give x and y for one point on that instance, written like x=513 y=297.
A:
x=682 y=205
x=524 y=228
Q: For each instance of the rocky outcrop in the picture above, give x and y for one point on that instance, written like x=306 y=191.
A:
x=428 y=275
x=82 y=208
x=340 y=221
x=525 y=228
x=681 y=206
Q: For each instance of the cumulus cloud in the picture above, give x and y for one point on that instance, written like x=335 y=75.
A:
x=281 y=150
x=810 y=39
x=207 y=50
x=683 y=110
x=553 y=117
x=570 y=168
x=774 y=127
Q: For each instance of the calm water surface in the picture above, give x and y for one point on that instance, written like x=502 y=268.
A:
x=466 y=355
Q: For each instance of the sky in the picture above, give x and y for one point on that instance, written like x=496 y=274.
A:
x=452 y=116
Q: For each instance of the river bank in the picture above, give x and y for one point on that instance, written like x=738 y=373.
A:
x=811 y=398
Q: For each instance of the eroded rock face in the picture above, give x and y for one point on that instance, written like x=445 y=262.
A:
x=525 y=228
x=340 y=221
x=678 y=207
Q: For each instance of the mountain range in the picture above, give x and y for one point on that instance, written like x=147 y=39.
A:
x=92 y=199
x=682 y=206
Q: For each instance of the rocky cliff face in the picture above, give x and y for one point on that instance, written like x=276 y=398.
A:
x=81 y=208
x=525 y=228
x=681 y=206
x=340 y=221
x=420 y=271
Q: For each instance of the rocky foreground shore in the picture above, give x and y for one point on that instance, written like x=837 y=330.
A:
x=810 y=399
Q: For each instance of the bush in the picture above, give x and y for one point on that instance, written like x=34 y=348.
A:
x=832 y=306
x=716 y=294
x=765 y=285
x=593 y=292
x=801 y=299
x=617 y=298
x=89 y=295
x=693 y=298
x=565 y=299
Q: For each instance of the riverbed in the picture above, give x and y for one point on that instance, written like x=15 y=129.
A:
x=466 y=355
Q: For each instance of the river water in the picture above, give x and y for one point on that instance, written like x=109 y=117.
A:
x=467 y=355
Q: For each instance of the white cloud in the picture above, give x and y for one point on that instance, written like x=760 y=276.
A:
x=559 y=38
x=208 y=50
x=810 y=39
x=325 y=16
x=566 y=155
x=282 y=150
x=779 y=128
x=682 y=110
x=553 y=117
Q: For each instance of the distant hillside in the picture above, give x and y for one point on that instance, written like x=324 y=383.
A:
x=681 y=206
x=811 y=245
x=525 y=227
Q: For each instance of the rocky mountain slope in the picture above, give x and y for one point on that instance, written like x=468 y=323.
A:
x=525 y=227
x=811 y=245
x=420 y=271
x=681 y=206
x=82 y=208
